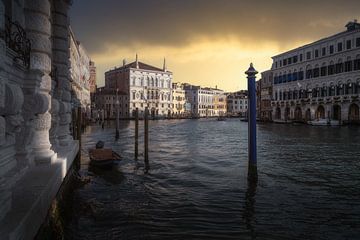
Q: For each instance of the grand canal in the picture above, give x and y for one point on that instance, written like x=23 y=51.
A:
x=308 y=187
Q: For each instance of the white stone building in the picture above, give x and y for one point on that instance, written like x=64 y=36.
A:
x=237 y=103
x=319 y=80
x=36 y=148
x=202 y=100
x=147 y=86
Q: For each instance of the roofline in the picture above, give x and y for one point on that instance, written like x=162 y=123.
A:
x=318 y=41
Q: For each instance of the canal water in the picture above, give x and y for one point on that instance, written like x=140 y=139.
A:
x=308 y=186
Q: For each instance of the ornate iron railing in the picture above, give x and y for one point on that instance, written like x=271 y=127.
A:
x=16 y=39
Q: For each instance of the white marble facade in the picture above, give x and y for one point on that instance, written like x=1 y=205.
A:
x=319 y=80
x=36 y=148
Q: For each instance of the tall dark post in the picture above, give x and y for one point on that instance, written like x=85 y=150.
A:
x=117 y=115
x=252 y=168
x=146 y=139
x=136 y=133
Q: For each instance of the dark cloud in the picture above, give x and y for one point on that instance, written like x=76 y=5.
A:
x=179 y=22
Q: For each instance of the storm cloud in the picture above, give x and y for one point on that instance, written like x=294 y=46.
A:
x=99 y=23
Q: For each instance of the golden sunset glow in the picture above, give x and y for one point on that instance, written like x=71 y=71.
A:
x=209 y=43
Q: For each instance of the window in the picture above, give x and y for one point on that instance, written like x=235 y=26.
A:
x=275 y=64
x=348 y=66
x=308 y=55
x=331 y=49
x=309 y=73
x=301 y=57
x=316 y=72
x=358 y=42
x=323 y=71
x=357 y=64
x=331 y=69
x=301 y=75
x=316 y=53
x=133 y=95
x=348 y=44
x=339 y=68
x=295 y=59
x=289 y=60
x=323 y=51
x=339 y=47
x=284 y=62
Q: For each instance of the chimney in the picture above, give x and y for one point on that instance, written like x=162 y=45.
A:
x=137 y=62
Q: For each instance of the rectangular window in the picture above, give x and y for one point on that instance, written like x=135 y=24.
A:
x=289 y=60
x=316 y=72
x=316 y=53
x=301 y=57
x=301 y=75
x=348 y=44
x=331 y=69
x=358 y=42
x=275 y=64
x=339 y=47
x=323 y=51
x=284 y=62
x=357 y=64
x=308 y=55
x=331 y=49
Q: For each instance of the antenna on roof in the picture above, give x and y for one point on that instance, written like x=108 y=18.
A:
x=164 y=65
x=137 y=61
x=124 y=62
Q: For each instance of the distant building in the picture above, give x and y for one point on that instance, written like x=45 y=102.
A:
x=178 y=100
x=237 y=103
x=205 y=102
x=266 y=84
x=105 y=104
x=146 y=86
x=319 y=80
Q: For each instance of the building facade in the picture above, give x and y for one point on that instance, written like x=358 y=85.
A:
x=205 y=102
x=178 y=100
x=106 y=101
x=320 y=80
x=82 y=75
x=266 y=83
x=237 y=103
x=146 y=86
x=36 y=147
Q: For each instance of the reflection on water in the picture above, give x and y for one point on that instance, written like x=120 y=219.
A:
x=197 y=188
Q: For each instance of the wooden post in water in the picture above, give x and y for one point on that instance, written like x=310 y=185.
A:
x=136 y=133
x=252 y=167
x=146 y=139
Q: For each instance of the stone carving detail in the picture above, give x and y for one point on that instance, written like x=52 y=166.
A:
x=13 y=124
x=14 y=99
x=37 y=104
x=43 y=122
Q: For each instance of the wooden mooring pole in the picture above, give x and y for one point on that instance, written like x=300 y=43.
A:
x=146 y=140
x=136 y=133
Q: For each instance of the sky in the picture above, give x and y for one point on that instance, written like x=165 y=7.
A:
x=205 y=42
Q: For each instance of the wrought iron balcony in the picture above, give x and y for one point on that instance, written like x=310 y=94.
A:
x=16 y=39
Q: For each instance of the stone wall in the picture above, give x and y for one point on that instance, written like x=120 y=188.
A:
x=36 y=148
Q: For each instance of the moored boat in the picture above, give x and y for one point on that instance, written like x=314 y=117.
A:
x=102 y=157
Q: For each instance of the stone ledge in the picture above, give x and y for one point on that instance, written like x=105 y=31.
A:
x=33 y=193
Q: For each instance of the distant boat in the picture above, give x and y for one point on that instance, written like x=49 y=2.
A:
x=324 y=122
x=221 y=118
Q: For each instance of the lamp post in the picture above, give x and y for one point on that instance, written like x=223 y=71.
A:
x=117 y=115
x=252 y=167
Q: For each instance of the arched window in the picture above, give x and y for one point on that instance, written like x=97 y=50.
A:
x=309 y=72
x=316 y=71
x=357 y=63
x=348 y=64
x=331 y=68
x=323 y=70
x=339 y=68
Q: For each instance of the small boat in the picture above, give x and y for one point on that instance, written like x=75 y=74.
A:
x=221 y=118
x=102 y=157
x=320 y=122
